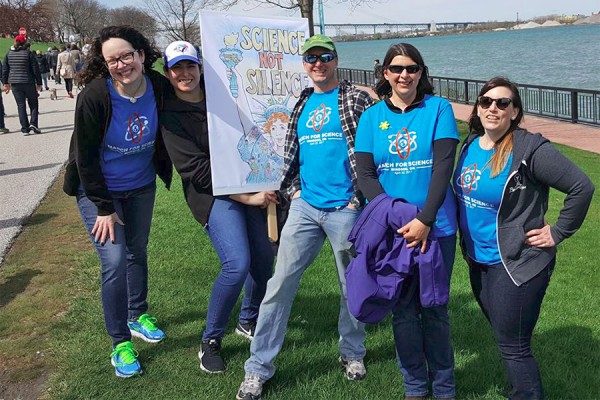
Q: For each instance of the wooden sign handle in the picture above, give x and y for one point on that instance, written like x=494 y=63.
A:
x=272 y=222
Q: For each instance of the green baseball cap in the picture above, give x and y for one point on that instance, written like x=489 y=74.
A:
x=318 y=41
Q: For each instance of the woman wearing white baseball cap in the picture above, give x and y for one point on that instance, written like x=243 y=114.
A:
x=236 y=224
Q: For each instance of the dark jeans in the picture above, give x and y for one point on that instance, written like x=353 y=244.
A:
x=69 y=84
x=124 y=262
x=26 y=92
x=422 y=336
x=2 y=112
x=239 y=234
x=56 y=75
x=513 y=312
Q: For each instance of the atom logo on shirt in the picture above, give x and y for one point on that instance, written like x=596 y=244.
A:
x=403 y=143
x=136 y=127
x=318 y=118
x=468 y=178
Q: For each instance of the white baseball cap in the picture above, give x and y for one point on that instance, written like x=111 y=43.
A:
x=180 y=50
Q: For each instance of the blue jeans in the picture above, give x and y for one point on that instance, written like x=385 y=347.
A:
x=239 y=234
x=124 y=262
x=26 y=92
x=422 y=335
x=513 y=312
x=301 y=240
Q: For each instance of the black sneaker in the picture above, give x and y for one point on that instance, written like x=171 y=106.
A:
x=35 y=129
x=210 y=357
x=246 y=330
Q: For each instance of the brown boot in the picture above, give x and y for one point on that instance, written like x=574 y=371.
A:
x=71 y=95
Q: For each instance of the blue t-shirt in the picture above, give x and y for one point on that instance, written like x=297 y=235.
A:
x=128 y=146
x=479 y=197
x=324 y=164
x=402 y=148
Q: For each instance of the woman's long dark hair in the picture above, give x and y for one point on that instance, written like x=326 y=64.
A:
x=383 y=87
x=96 y=67
x=504 y=145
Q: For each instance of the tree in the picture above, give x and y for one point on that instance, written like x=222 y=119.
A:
x=142 y=21
x=15 y=14
x=84 y=18
x=178 y=18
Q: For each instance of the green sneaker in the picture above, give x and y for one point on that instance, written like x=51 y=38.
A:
x=124 y=359
x=145 y=329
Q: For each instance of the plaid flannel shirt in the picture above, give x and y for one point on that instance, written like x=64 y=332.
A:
x=352 y=102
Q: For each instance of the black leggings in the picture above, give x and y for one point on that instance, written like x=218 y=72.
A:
x=513 y=312
x=69 y=84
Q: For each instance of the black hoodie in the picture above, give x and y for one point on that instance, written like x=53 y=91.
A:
x=536 y=167
x=184 y=127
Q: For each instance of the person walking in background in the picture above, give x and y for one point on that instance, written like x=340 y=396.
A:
x=53 y=63
x=48 y=55
x=115 y=154
x=502 y=182
x=21 y=73
x=77 y=58
x=236 y=224
x=44 y=67
x=65 y=67
x=322 y=206
x=377 y=71
x=405 y=147
x=3 y=128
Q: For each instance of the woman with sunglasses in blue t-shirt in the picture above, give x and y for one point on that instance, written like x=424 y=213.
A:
x=405 y=147
x=502 y=181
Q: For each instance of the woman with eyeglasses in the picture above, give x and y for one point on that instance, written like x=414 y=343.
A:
x=405 y=148
x=502 y=181
x=115 y=154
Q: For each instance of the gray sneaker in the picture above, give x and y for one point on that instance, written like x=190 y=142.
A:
x=250 y=389
x=3 y=130
x=354 y=369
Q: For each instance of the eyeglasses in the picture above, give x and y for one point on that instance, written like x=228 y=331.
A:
x=126 y=59
x=486 y=102
x=397 y=69
x=324 y=58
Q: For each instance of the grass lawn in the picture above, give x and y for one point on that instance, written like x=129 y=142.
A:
x=52 y=332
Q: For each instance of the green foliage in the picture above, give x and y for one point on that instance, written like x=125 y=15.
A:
x=6 y=43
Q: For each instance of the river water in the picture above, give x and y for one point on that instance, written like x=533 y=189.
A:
x=565 y=56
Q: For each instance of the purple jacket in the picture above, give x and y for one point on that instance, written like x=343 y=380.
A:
x=375 y=276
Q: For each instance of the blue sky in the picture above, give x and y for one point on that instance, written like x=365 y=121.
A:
x=417 y=11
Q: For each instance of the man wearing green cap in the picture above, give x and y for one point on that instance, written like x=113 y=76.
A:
x=319 y=177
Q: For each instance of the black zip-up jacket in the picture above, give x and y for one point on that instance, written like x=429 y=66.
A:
x=42 y=63
x=92 y=118
x=185 y=131
x=536 y=167
x=20 y=66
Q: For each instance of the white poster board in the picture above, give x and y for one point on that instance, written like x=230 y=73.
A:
x=254 y=75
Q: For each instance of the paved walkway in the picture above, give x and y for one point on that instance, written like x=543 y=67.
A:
x=30 y=164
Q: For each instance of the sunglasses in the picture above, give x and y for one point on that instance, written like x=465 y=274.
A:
x=324 y=58
x=397 y=69
x=486 y=102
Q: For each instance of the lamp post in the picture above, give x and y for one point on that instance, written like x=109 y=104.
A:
x=321 y=18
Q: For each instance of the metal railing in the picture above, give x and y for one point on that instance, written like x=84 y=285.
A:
x=574 y=105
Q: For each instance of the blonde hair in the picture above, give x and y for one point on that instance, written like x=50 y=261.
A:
x=503 y=149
